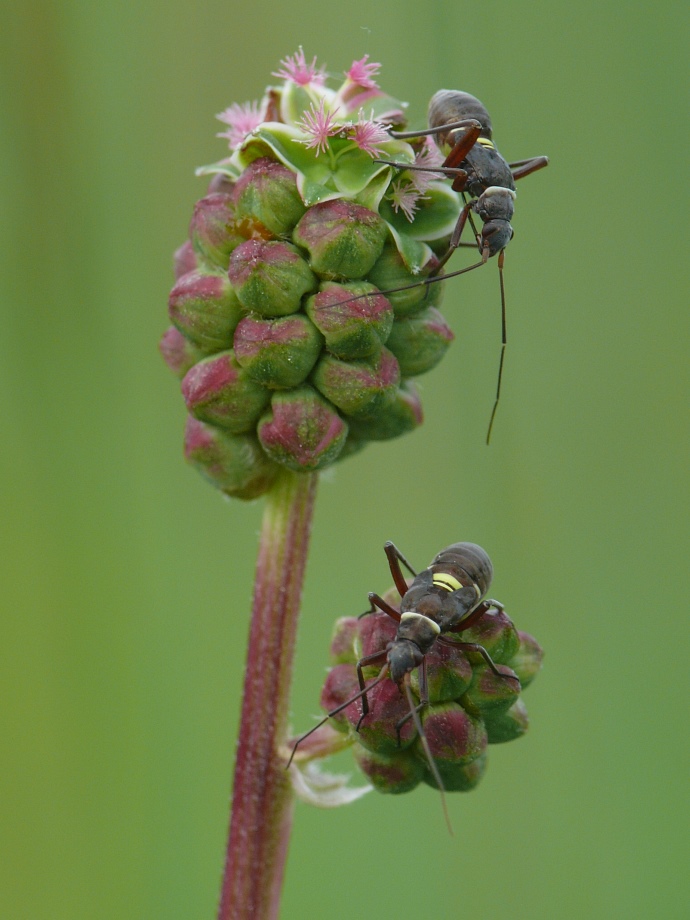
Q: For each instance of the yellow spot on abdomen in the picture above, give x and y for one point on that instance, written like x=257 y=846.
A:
x=444 y=580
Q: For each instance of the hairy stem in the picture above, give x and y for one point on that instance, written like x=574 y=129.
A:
x=261 y=813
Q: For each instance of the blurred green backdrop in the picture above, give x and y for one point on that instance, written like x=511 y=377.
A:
x=127 y=580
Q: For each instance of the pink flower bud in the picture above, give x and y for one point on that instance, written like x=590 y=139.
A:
x=184 y=259
x=358 y=388
x=213 y=231
x=218 y=391
x=204 y=307
x=419 y=341
x=353 y=328
x=267 y=192
x=302 y=430
x=178 y=353
x=277 y=352
x=509 y=725
x=390 y=272
x=235 y=464
x=343 y=239
x=402 y=414
x=453 y=735
x=270 y=277
x=393 y=773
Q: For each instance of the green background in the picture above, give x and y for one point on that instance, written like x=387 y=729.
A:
x=127 y=580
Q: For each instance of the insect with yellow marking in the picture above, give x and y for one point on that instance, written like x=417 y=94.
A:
x=462 y=129
x=447 y=597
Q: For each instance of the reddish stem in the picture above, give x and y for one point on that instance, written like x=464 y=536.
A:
x=261 y=814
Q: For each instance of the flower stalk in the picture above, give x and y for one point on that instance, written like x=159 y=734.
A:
x=261 y=814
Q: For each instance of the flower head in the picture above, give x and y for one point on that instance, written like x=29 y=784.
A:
x=242 y=119
x=369 y=134
x=361 y=73
x=320 y=125
x=295 y=68
x=404 y=197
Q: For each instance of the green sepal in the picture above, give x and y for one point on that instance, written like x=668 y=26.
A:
x=414 y=254
x=226 y=167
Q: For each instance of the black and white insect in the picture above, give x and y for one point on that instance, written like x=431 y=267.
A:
x=447 y=597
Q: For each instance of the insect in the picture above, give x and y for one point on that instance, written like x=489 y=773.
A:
x=447 y=597
x=461 y=122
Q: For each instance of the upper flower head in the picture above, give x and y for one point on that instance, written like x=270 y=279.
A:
x=359 y=87
x=295 y=68
x=361 y=73
x=320 y=125
x=369 y=134
x=242 y=120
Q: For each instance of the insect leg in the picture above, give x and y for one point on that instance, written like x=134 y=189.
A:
x=454 y=241
x=489 y=602
x=362 y=694
x=439 y=129
x=379 y=602
x=522 y=168
x=369 y=659
x=395 y=557
x=475 y=647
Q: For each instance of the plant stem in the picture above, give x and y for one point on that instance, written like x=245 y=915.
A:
x=261 y=814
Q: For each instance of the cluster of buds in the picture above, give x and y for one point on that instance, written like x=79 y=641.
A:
x=469 y=707
x=292 y=349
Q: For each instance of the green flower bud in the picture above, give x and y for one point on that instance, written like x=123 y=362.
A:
x=213 y=231
x=390 y=272
x=420 y=341
x=352 y=328
x=458 y=777
x=527 y=661
x=402 y=414
x=277 y=352
x=507 y=726
x=267 y=192
x=360 y=388
x=302 y=430
x=184 y=259
x=341 y=684
x=449 y=674
x=178 y=353
x=235 y=464
x=392 y=773
x=345 y=634
x=375 y=631
x=217 y=390
x=453 y=735
x=496 y=633
x=204 y=307
x=270 y=277
x=489 y=694
x=378 y=731
x=343 y=239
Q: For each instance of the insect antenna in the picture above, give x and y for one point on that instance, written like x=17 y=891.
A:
x=504 y=341
x=381 y=675
x=432 y=279
x=429 y=757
